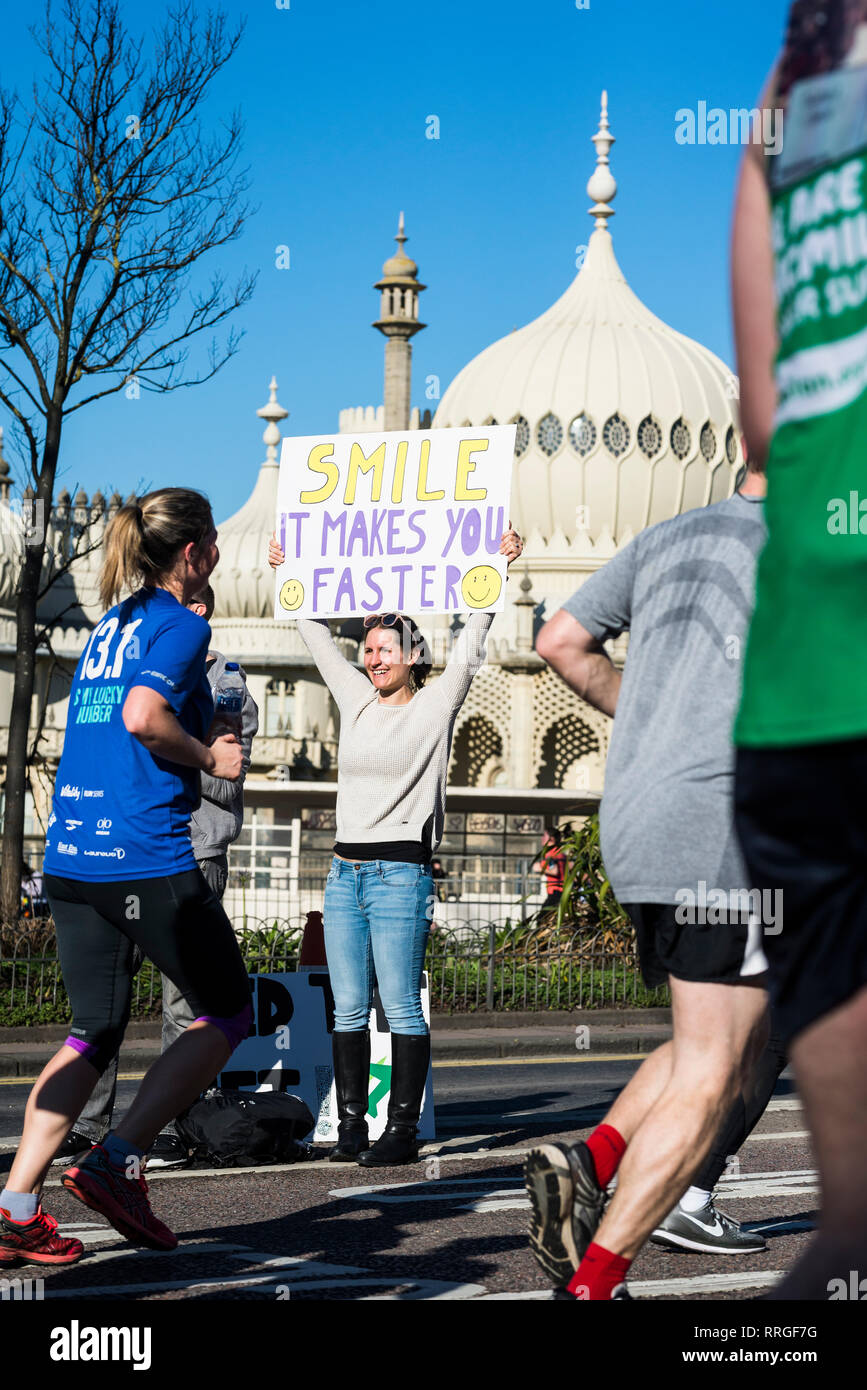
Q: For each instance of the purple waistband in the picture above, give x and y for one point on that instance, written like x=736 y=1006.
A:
x=234 y=1029
x=79 y=1045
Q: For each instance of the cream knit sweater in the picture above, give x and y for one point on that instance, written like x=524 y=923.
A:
x=393 y=759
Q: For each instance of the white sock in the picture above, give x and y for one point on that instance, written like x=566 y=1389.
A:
x=694 y=1198
x=21 y=1206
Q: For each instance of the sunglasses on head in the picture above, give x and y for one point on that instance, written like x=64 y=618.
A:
x=382 y=620
x=394 y=620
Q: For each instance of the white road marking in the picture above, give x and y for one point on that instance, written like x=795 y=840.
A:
x=544 y=1061
x=778 y=1135
x=704 y=1283
x=746 y=1186
x=571 y=1119
x=537 y=1295
x=107 y=1233
x=292 y=1272
x=662 y=1288
x=788 y=1183
x=461 y=1139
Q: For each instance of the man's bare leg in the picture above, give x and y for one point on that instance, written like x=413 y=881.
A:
x=715 y=1030
x=828 y=1059
x=641 y=1092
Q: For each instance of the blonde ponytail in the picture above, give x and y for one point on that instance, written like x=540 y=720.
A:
x=143 y=538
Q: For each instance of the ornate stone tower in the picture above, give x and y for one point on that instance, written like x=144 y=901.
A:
x=398 y=321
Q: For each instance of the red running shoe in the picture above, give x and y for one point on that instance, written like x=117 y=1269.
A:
x=97 y=1183
x=35 y=1242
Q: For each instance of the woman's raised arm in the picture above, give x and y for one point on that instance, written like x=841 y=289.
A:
x=341 y=677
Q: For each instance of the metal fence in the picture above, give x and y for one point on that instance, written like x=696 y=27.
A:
x=495 y=967
x=476 y=891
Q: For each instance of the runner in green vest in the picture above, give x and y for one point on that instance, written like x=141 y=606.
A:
x=800 y=309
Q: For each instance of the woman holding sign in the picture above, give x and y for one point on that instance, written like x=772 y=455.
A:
x=395 y=740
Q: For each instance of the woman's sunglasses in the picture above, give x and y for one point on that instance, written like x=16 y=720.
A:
x=382 y=620
x=407 y=625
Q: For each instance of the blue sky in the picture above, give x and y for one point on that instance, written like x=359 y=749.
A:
x=335 y=95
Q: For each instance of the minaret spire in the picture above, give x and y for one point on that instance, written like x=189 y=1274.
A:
x=398 y=322
x=273 y=412
x=602 y=185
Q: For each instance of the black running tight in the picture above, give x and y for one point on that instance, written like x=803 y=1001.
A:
x=177 y=922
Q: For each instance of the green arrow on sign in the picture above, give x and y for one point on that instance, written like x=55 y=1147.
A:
x=380 y=1073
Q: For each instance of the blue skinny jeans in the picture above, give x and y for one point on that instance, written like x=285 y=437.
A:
x=377 y=916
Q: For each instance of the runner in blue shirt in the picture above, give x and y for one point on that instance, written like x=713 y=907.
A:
x=120 y=872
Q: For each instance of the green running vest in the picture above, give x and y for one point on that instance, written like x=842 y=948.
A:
x=805 y=671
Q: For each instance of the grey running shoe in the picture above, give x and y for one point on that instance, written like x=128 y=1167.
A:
x=566 y=1202
x=707 y=1230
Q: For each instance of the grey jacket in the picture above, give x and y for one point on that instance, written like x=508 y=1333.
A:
x=217 y=821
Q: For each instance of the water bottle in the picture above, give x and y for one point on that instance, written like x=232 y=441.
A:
x=229 y=700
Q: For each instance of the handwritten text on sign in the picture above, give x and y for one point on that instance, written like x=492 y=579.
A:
x=410 y=522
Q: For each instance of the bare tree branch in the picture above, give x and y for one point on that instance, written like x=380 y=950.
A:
x=113 y=194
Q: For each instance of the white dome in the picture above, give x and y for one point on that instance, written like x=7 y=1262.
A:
x=622 y=421
x=242 y=582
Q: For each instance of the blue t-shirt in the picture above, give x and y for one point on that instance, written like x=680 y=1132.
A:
x=119 y=811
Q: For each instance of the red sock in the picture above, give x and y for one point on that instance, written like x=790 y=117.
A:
x=607 y=1148
x=598 y=1275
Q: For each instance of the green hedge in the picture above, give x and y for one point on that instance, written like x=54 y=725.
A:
x=523 y=980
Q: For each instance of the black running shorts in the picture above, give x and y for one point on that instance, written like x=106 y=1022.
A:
x=801 y=814
x=713 y=953
x=176 y=921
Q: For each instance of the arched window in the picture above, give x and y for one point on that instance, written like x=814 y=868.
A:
x=279 y=708
x=476 y=744
x=522 y=435
x=566 y=740
x=582 y=435
x=681 y=439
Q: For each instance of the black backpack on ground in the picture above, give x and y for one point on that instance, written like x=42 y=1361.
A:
x=235 y=1129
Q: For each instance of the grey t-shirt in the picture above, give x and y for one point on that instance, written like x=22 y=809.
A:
x=685 y=591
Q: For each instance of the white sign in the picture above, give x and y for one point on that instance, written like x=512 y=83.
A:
x=290 y=1050
x=404 y=522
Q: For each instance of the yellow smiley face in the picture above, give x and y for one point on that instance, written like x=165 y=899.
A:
x=292 y=595
x=481 y=586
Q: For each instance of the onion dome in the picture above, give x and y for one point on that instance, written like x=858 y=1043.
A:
x=242 y=582
x=621 y=420
x=399 y=268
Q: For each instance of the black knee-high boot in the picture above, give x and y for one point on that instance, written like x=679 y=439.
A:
x=351 y=1053
x=410 y=1056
